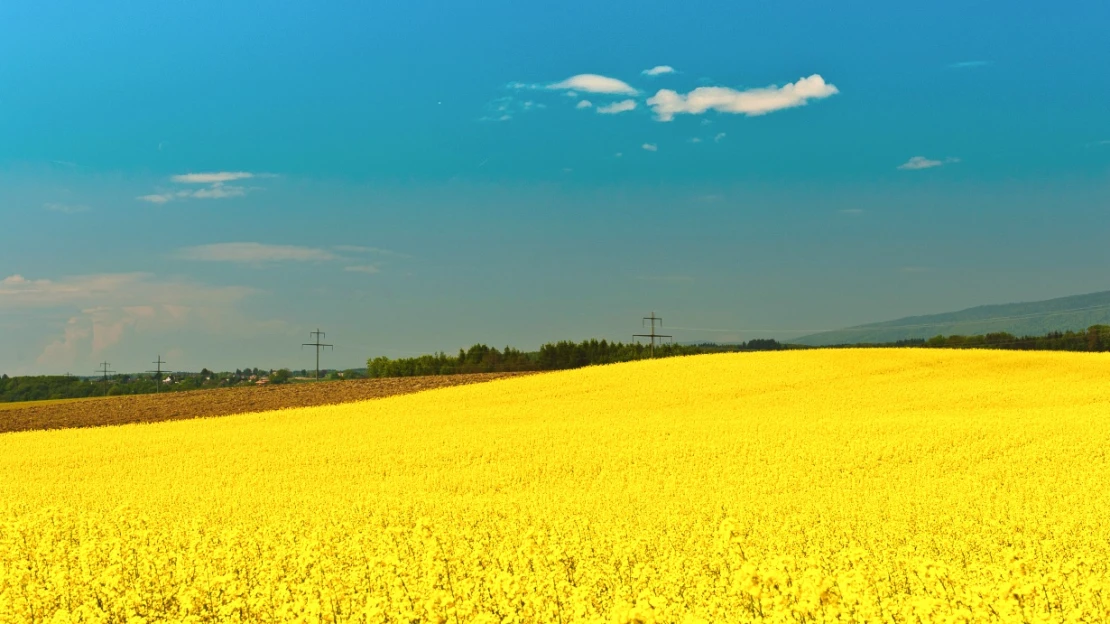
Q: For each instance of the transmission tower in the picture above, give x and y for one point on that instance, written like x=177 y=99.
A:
x=318 y=335
x=104 y=370
x=158 y=372
x=652 y=335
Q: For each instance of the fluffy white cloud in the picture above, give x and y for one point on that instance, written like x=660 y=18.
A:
x=651 y=147
x=108 y=307
x=584 y=104
x=667 y=103
x=218 y=177
x=617 y=107
x=593 y=83
x=658 y=70
x=920 y=162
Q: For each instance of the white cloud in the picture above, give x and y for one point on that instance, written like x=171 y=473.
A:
x=362 y=268
x=370 y=250
x=215 y=186
x=658 y=70
x=217 y=192
x=156 y=198
x=584 y=104
x=101 y=289
x=651 y=147
x=720 y=137
x=253 y=253
x=695 y=140
x=751 y=102
x=593 y=83
x=106 y=309
x=920 y=162
x=617 y=107
x=65 y=208
x=212 y=178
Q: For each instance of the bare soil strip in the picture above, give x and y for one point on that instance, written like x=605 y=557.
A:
x=121 y=410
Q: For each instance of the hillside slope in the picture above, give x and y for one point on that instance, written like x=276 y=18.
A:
x=1032 y=318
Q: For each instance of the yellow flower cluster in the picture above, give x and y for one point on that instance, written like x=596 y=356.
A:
x=817 y=486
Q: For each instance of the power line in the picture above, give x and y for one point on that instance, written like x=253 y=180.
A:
x=318 y=335
x=652 y=335
x=159 y=362
x=104 y=370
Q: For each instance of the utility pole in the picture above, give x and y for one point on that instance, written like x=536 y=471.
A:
x=104 y=370
x=652 y=335
x=318 y=335
x=159 y=362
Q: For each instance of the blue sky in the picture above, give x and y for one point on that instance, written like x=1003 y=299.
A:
x=210 y=181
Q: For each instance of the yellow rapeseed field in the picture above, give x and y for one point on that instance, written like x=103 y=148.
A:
x=818 y=486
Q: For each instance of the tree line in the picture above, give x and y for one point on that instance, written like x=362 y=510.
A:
x=50 y=387
x=1095 y=338
x=560 y=355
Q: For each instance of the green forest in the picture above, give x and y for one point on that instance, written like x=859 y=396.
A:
x=551 y=356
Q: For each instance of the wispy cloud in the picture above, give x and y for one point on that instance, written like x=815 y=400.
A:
x=215 y=186
x=594 y=83
x=584 y=104
x=617 y=107
x=218 y=177
x=667 y=103
x=370 y=250
x=658 y=70
x=651 y=147
x=65 y=208
x=507 y=107
x=107 y=308
x=719 y=137
x=921 y=162
x=253 y=253
x=362 y=268
x=217 y=192
x=969 y=64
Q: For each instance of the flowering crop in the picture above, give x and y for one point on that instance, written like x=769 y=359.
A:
x=815 y=486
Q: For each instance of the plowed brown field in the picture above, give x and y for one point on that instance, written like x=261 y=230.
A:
x=120 y=410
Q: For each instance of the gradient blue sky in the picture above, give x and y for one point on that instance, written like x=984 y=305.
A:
x=209 y=181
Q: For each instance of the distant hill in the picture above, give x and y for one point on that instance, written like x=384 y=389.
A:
x=1034 y=319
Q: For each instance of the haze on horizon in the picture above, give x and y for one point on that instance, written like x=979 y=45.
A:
x=209 y=182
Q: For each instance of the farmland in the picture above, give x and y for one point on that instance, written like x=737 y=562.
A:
x=119 y=410
x=817 y=486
